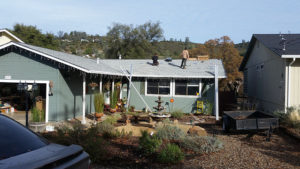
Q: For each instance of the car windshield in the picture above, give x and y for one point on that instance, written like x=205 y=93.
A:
x=15 y=139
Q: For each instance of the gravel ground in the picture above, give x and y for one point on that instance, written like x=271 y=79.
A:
x=241 y=150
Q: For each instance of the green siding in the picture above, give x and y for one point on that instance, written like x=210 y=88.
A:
x=66 y=101
x=186 y=104
x=25 y=68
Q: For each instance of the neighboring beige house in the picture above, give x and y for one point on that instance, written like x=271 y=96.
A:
x=271 y=69
x=6 y=37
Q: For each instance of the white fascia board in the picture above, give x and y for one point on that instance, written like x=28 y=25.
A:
x=45 y=55
x=290 y=56
x=12 y=35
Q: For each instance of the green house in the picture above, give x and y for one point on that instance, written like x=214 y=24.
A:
x=64 y=79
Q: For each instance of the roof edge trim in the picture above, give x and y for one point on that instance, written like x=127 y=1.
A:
x=290 y=56
x=12 y=35
x=43 y=54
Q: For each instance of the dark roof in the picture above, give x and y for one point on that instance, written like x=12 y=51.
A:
x=275 y=44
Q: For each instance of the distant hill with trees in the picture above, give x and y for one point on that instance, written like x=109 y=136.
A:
x=136 y=42
x=242 y=47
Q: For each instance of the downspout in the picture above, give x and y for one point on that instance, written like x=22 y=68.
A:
x=289 y=83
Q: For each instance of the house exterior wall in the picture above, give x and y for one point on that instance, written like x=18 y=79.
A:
x=295 y=84
x=186 y=104
x=66 y=101
x=266 y=78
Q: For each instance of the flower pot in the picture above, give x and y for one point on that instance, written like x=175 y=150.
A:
x=113 y=110
x=99 y=115
x=37 y=126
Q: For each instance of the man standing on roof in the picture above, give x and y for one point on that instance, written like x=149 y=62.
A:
x=185 y=55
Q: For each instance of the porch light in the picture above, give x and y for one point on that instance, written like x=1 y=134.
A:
x=24 y=87
x=20 y=86
x=34 y=86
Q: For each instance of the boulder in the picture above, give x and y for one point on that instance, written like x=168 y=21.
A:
x=196 y=130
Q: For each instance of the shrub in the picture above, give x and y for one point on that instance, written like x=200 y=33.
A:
x=208 y=107
x=170 y=132
x=37 y=115
x=112 y=119
x=291 y=118
x=201 y=144
x=96 y=148
x=105 y=129
x=113 y=99
x=171 y=153
x=178 y=114
x=94 y=145
x=122 y=134
x=149 y=144
x=99 y=102
x=131 y=108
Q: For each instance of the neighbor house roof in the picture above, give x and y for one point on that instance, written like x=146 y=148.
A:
x=276 y=44
x=11 y=35
x=141 y=68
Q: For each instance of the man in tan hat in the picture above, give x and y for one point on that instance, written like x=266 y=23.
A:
x=185 y=55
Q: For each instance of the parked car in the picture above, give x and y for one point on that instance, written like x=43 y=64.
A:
x=22 y=148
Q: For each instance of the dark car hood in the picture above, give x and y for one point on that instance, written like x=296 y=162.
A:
x=46 y=156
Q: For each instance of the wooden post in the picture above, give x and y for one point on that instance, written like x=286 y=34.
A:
x=83 y=98
x=216 y=93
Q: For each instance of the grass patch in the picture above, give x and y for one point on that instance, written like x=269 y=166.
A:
x=178 y=114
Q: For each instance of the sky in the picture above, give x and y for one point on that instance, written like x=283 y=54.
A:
x=200 y=20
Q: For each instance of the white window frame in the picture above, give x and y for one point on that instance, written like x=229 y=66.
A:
x=190 y=96
x=162 y=95
x=172 y=89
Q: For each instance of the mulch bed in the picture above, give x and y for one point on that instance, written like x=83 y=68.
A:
x=241 y=150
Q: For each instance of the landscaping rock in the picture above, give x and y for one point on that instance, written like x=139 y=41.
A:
x=135 y=130
x=196 y=130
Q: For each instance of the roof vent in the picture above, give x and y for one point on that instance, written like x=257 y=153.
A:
x=168 y=59
x=98 y=60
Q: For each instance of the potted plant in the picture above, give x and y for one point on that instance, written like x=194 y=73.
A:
x=37 y=120
x=99 y=105
x=113 y=101
x=93 y=85
x=107 y=92
x=131 y=108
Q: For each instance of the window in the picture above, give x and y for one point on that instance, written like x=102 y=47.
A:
x=187 y=87
x=158 y=86
x=262 y=66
